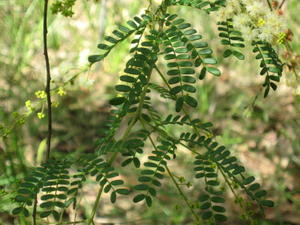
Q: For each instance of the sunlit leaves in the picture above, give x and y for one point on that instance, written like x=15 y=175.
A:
x=184 y=52
x=207 y=6
x=120 y=35
x=211 y=200
x=232 y=39
x=52 y=180
x=106 y=177
x=270 y=64
x=153 y=172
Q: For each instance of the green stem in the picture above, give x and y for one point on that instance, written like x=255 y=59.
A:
x=183 y=196
x=34 y=210
x=187 y=147
x=169 y=87
x=115 y=154
x=174 y=181
x=162 y=77
x=71 y=222
x=91 y=219
x=110 y=161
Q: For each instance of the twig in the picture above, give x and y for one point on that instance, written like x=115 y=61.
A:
x=34 y=210
x=45 y=17
x=281 y=4
x=270 y=6
x=175 y=183
x=48 y=82
x=182 y=195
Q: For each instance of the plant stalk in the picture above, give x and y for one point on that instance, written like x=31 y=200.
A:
x=281 y=4
x=270 y=5
x=176 y=184
x=48 y=93
x=48 y=81
x=113 y=157
x=183 y=196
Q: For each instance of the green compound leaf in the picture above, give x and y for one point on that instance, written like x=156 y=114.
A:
x=113 y=197
x=148 y=201
x=139 y=197
x=238 y=55
x=267 y=203
x=123 y=191
x=207 y=215
x=220 y=217
x=45 y=214
x=95 y=58
x=190 y=101
x=179 y=104
x=117 y=101
x=227 y=53
x=213 y=71
x=17 y=210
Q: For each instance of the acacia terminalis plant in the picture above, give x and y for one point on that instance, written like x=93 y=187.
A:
x=158 y=36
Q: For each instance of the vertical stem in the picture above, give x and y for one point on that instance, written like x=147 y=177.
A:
x=110 y=161
x=91 y=219
x=48 y=82
x=183 y=196
x=113 y=157
x=34 y=210
x=174 y=181
x=47 y=90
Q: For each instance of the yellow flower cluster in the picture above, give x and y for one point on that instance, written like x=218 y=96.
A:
x=255 y=20
x=61 y=91
x=28 y=105
x=40 y=115
x=40 y=94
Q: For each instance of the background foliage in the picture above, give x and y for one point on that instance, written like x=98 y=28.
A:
x=264 y=133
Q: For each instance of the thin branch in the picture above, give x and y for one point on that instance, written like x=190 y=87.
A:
x=183 y=196
x=113 y=157
x=34 y=210
x=281 y=4
x=175 y=183
x=270 y=5
x=110 y=161
x=48 y=81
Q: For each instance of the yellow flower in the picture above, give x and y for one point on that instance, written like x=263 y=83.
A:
x=40 y=115
x=209 y=135
x=28 y=105
x=55 y=104
x=61 y=91
x=261 y=22
x=281 y=38
x=40 y=94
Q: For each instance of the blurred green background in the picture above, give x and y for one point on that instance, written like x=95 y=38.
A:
x=263 y=133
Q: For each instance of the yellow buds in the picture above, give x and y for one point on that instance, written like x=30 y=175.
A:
x=61 y=91
x=55 y=104
x=40 y=115
x=40 y=94
x=28 y=105
x=261 y=22
x=281 y=38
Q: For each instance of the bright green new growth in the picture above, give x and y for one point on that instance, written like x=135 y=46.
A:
x=158 y=36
